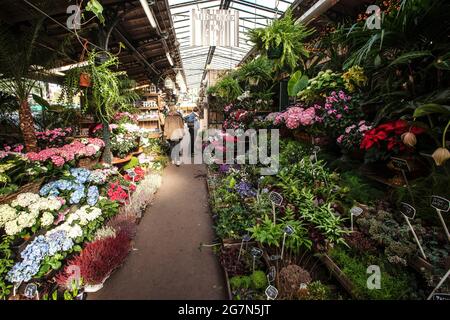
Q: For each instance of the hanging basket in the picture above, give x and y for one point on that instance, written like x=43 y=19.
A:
x=85 y=80
x=275 y=52
x=32 y=187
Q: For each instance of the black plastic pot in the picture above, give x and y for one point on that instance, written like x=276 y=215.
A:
x=275 y=52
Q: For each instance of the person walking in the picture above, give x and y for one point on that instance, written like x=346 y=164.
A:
x=193 y=124
x=173 y=133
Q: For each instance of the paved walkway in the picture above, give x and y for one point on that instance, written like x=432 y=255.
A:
x=168 y=263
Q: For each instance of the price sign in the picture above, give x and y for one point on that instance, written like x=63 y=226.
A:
x=246 y=238
x=31 y=291
x=131 y=173
x=440 y=203
x=400 y=164
x=276 y=198
x=289 y=230
x=440 y=296
x=316 y=149
x=271 y=292
x=407 y=210
x=256 y=252
x=274 y=257
x=272 y=274
x=356 y=211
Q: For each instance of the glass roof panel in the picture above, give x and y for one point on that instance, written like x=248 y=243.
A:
x=252 y=14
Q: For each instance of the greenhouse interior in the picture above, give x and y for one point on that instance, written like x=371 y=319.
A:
x=231 y=150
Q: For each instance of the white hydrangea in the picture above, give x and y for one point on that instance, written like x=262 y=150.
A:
x=47 y=219
x=7 y=213
x=72 y=232
x=26 y=220
x=11 y=228
x=25 y=199
x=84 y=215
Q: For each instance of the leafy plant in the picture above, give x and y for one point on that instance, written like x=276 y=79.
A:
x=297 y=83
x=22 y=63
x=283 y=33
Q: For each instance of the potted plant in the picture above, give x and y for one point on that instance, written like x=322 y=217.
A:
x=257 y=71
x=282 y=41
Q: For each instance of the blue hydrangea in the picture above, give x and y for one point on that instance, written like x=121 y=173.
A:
x=81 y=175
x=77 y=195
x=59 y=241
x=32 y=257
x=92 y=196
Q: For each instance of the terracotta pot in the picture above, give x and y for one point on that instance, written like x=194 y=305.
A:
x=85 y=80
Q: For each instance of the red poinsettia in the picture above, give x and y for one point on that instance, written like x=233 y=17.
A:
x=388 y=135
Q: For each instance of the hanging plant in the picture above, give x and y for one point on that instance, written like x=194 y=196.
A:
x=282 y=41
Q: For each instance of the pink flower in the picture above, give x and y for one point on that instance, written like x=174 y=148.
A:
x=340 y=138
x=57 y=161
x=338 y=116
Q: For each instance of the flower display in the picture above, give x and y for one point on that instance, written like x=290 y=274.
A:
x=77 y=149
x=339 y=112
x=53 y=138
x=353 y=135
x=25 y=210
x=138 y=174
x=298 y=116
x=245 y=189
x=117 y=193
x=92 y=195
x=386 y=140
x=36 y=252
x=238 y=119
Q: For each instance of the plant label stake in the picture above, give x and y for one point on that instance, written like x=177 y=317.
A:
x=31 y=290
x=441 y=205
x=271 y=276
x=15 y=287
x=132 y=175
x=403 y=166
x=276 y=200
x=271 y=292
x=316 y=150
x=439 y=285
x=409 y=212
x=288 y=231
x=440 y=296
x=245 y=239
x=354 y=212
x=256 y=253
x=274 y=257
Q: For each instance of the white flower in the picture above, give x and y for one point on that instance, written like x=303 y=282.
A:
x=7 y=213
x=11 y=228
x=26 y=220
x=47 y=219
x=75 y=232
x=26 y=199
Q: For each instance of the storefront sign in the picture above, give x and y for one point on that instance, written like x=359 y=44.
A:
x=214 y=27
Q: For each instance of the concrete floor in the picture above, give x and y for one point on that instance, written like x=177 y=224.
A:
x=167 y=263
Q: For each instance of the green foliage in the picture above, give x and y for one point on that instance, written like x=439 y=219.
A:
x=259 y=280
x=297 y=83
x=318 y=291
x=396 y=284
x=359 y=188
x=241 y=282
x=256 y=72
x=227 y=88
x=283 y=32
x=97 y=9
x=134 y=162
x=321 y=85
x=6 y=262
x=267 y=232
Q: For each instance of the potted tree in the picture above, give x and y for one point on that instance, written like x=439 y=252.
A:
x=22 y=64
